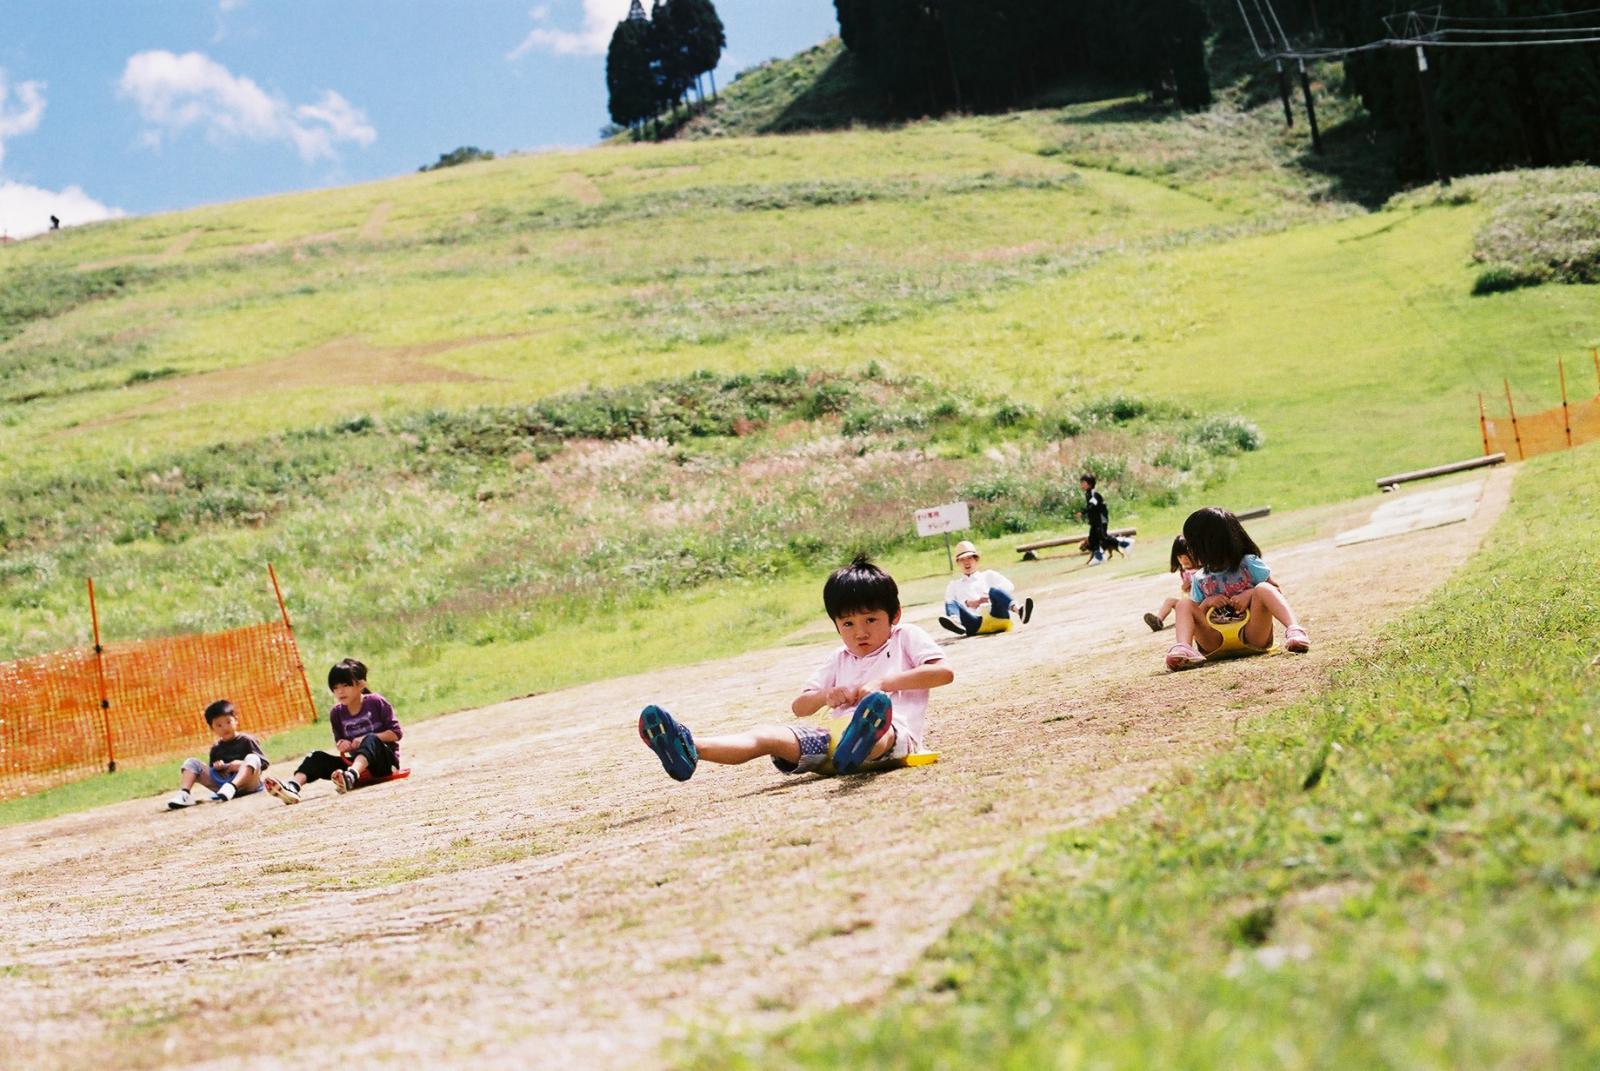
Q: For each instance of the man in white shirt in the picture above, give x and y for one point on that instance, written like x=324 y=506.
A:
x=980 y=600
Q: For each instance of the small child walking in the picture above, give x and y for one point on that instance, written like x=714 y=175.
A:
x=1183 y=564
x=978 y=594
x=1098 y=514
x=1232 y=574
x=883 y=671
x=365 y=735
x=236 y=762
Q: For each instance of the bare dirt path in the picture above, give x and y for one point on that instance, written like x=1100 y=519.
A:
x=540 y=894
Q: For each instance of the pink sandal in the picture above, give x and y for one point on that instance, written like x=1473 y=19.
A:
x=1183 y=656
x=1296 y=641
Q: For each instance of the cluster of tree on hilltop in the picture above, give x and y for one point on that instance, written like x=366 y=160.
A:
x=654 y=61
x=930 y=56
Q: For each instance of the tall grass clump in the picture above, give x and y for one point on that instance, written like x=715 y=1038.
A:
x=1538 y=239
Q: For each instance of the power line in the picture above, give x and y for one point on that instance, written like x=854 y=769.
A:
x=1520 y=18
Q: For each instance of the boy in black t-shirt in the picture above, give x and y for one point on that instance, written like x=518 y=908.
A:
x=236 y=762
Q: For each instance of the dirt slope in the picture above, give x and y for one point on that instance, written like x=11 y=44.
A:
x=540 y=894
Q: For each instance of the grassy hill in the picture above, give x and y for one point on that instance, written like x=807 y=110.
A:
x=490 y=421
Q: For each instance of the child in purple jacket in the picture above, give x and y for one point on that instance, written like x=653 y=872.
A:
x=365 y=733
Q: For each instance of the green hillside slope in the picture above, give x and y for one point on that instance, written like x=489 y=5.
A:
x=339 y=381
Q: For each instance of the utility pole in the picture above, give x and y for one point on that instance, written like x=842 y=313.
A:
x=1283 y=93
x=1311 y=109
x=1430 y=120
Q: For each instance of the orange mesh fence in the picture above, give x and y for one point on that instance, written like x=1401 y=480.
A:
x=1546 y=430
x=53 y=727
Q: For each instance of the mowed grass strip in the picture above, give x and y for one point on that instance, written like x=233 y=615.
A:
x=1402 y=873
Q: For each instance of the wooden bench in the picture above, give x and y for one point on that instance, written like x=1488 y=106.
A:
x=1027 y=549
x=1389 y=483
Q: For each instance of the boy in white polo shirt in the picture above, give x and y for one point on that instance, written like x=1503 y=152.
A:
x=883 y=671
x=980 y=597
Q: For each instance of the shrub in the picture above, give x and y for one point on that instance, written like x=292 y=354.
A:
x=1226 y=435
x=1011 y=414
x=1063 y=425
x=466 y=154
x=1499 y=278
x=1538 y=238
x=1116 y=408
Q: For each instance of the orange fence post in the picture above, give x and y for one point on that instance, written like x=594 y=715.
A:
x=1515 y=431
x=1566 y=414
x=1483 y=425
x=100 y=671
x=283 y=608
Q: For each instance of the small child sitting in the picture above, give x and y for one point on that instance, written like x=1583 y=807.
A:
x=365 y=733
x=1182 y=564
x=883 y=671
x=236 y=762
x=1231 y=574
x=980 y=597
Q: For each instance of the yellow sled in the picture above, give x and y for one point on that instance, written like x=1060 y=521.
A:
x=1232 y=629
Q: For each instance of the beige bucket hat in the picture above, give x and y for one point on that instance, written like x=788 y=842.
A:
x=964 y=548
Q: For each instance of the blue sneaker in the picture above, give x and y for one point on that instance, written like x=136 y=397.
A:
x=874 y=716
x=673 y=743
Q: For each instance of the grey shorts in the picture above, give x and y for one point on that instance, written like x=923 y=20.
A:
x=208 y=777
x=814 y=741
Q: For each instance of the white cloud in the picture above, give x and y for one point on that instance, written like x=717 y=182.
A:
x=174 y=93
x=26 y=210
x=225 y=6
x=21 y=117
x=600 y=18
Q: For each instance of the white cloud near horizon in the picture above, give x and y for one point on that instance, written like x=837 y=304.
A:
x=23 y=116
x=26 y=210
x=600 y=18
x=174 y=93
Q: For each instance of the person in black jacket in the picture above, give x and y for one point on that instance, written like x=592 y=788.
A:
x=1098 y=515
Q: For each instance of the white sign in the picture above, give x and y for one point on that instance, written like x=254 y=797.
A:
x=939 y=519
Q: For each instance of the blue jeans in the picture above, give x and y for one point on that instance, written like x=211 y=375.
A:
x=999 y=606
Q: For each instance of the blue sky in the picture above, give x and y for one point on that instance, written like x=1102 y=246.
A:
x=136 y=106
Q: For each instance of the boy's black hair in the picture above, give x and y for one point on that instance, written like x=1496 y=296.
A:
x=860 y=587
x=1087 y=478
x=348 y=671
x=1217 y=541
x=220 y=709
x=1180 y=546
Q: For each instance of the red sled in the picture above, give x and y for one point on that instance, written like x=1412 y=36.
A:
x=366 y=777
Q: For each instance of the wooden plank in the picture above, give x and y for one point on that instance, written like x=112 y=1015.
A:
x=1388 y=482
x=1027 y=549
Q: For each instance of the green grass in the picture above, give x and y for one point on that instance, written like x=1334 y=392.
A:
x=1400 y=873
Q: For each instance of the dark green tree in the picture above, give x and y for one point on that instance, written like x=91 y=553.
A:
x=700 y=28
x=630 y=84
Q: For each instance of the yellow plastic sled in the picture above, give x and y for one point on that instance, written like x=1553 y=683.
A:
x=1232 y=629
x=992 y=624
x=836 y=727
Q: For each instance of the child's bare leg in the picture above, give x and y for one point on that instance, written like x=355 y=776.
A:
x=1167 y=606
x=764 y=741
x=190 y=773
x=358 y=765
x=248 y=779
x=1193 y=629
x=1267 y=598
